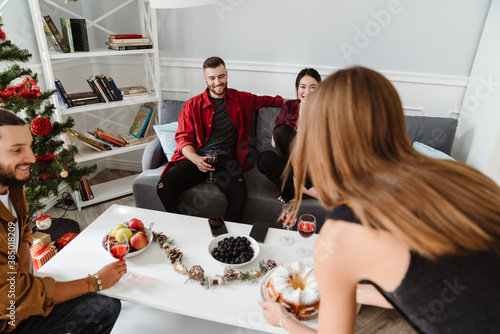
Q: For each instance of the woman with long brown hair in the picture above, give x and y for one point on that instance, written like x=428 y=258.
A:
x=429 y=238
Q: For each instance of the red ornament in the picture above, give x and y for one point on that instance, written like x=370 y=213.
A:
x=43 y=160
x=2 y=35
x=40 y=126
x=27 y=89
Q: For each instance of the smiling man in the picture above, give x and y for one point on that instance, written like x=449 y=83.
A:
x=40 y=305
x=217 y=120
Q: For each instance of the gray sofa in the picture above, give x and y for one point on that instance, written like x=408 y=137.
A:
x=206 y=200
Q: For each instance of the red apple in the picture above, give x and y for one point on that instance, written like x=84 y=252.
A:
x=139 y=240
x=135 y=224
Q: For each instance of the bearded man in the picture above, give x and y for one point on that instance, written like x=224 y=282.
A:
x=217 y=120
x=29 y=304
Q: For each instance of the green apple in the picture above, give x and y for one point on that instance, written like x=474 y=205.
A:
x=117 y=227
x=123 y=233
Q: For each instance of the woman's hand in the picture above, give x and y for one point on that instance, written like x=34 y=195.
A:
x=112 y=273
x=273 y=312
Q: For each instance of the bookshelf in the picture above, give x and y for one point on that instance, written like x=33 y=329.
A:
x=101 y=114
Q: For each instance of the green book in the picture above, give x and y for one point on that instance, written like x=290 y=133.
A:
x=80 y=38
x=142 y=119
x=67 y=34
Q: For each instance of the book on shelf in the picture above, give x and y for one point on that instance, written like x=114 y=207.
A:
x=63 y=94
x=90 y=194
x=115 y=88
x=66 y=33
x=141 y=119
x=117 y=45
x=94 y=84
x=80 y=37
x=121 y=36
x=88 y=141
x=51 y=37
x=100 y=83
x=94 y=136
x=130 y=47
x=144 y=40
x=90 y=81
x=106 y=84
x=86 y=102
x=83 y=193
x=64 y=47
x=108 y=136
x=152 y=121
x=82 y=96
x=131 y=140
x=133 y=91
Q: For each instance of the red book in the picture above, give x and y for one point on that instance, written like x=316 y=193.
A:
x=123 y=36
x=109 y=136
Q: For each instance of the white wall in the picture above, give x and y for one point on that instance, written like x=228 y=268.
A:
x=426 y=48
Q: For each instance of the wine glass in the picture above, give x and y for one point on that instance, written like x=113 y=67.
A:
x=306 y=228
x=211 y=159
x=288 y=219
x=119 y=249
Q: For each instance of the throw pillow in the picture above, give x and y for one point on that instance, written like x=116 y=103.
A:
x=430 y=151
x=166 y=134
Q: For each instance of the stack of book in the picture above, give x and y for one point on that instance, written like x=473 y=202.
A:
x=86 y=193
x=132 y=91
x=103 y=88
x=128 y=42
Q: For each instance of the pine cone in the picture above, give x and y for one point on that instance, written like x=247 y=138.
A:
x=196 y=273
x=270 y=264
x=229 y=273
x=175 y=255
x=161 y=239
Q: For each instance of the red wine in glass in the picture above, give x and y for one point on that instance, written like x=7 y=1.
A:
x=211 y=159
x=119 y=251
x=306 y=228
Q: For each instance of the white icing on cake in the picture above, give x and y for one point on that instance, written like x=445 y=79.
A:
x=283 y=277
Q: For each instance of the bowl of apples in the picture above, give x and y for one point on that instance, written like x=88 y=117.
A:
x=138 y=236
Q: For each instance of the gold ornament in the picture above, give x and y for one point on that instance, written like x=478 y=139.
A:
x=64 y=174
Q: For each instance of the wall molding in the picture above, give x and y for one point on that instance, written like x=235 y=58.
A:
x=395 y=76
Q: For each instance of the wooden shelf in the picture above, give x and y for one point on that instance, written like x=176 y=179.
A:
x=109 y=190
x=86 y=153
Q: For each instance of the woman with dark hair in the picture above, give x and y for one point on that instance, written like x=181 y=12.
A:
x=273 y=164
x=424 y=232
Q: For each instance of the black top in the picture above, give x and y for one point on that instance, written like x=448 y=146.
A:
x=223 y=137
x=455 y=294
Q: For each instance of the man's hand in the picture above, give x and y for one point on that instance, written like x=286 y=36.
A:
x=190 y=153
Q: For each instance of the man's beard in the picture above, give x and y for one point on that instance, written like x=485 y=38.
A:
x=212 y=89
x=9 y=179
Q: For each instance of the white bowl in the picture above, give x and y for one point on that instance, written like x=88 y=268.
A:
x=215 y=242
x=137 y=252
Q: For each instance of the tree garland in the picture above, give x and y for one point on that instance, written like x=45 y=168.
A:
x=196 y=273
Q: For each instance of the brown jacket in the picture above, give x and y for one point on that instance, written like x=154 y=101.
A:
x=32 y=295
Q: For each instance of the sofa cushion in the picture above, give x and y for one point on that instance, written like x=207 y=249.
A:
x=430 y=151
x=170 y=111
x=264 y=129
x=166 y=134
x=436 y=132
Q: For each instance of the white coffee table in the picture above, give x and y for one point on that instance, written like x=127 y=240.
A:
x=155 y=284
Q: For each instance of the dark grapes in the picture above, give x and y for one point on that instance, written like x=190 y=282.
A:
x=233 y=250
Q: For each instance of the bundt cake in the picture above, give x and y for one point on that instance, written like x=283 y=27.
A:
x=294 y=286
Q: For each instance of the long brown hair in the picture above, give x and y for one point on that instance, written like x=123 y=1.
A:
x=353 y=144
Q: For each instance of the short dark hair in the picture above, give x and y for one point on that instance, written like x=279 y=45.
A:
x=7 y=117
x=213 y=62
x=307 y=71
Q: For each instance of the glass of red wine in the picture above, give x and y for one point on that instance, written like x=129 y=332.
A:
x=288 y=219
x=306 y=228
x=118 y=250
x=211 y=159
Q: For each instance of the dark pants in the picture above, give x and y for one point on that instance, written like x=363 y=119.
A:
x=90 y=313
x=184 y=175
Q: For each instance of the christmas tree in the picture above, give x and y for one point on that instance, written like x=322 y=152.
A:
x=55 y=163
